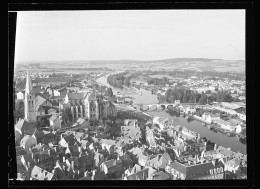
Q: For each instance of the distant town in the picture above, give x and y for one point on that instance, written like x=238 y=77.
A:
x=111 y=123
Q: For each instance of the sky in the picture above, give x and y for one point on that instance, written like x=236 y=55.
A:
x=130 y=34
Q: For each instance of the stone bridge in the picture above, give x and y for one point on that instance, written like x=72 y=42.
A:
x=153 y=107
x=161 y=106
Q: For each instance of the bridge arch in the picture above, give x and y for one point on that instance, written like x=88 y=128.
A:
x=170 y=106
x=163 y=106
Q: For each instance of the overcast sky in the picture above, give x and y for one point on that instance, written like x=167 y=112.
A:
x=130 y=34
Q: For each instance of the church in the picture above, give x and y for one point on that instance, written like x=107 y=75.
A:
x=35 y=105
x=89 y=105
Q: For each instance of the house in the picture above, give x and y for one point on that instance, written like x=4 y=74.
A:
x=52 y=111
x=82 y=123
x=232 y=165
x=28 y=142
x=42 y=105
x=187 y=109
x=67 y=140
x=140 y=175
x=150 y=138
x=132 y=170
x=40 y=174
x=112 y=166
x=202 y=171
x=162 y=122
x=20 y=151
x=55 y=122
x=226 y=152
x=44 y=137
x=225 y=125
x=107 y=144
x=164 y=160
x=25 y=127
x=161 y=176
x=20 y=95
x=56 y=92
x=127 y=162
x=208 y=117
x=153 y=162
x=63 y=92
x=142 y=159
x=44 y=160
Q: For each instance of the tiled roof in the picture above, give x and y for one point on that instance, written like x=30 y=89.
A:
x=126 y=161
x=75 y=96
x=132 y=177
x=26 y=139
x=53 y=117
x=70 y=139
x=24 y=125
x=230 y=105
x=39 y=100
x=39 y=134
x=223 y=122
x=40 y=174
x=108 y=142
x=161 y=176
x=100 y=176
x=110 y=163
x=29 y=158
x=74 y=150
x=197 y=170
x=224 y=151
x=80 y=121
x=165 y=159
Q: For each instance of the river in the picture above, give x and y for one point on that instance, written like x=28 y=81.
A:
x=194 y=125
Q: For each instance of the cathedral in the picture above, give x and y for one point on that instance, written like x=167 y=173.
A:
x=89 y=105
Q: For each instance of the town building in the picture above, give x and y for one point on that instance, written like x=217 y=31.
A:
x=212 y=170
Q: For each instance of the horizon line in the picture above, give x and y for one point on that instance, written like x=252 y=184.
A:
x=28 y=61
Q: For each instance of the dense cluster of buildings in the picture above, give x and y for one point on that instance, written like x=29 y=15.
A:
x=86 y=149
x=89 y=154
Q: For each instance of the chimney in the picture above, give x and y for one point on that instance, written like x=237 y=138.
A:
x=72 y=164
x=214 y=163
x=63 y=159
x=85 y=173
x=79 y=149
x=215 y=146
x=93 y=175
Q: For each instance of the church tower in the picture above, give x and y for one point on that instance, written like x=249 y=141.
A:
x=91 y=106
x=29 y=101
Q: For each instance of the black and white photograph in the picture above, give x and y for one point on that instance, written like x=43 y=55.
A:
x=130 y=95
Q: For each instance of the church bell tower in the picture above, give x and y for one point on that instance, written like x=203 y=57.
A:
x=29 y=101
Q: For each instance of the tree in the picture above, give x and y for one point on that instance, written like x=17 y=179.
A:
x=109 y=92
x=19 y=109
x=67 y=115
x=203 y=99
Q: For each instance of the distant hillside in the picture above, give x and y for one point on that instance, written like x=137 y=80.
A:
x=196 y=64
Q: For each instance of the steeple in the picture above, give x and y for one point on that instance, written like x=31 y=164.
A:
x=28 y=86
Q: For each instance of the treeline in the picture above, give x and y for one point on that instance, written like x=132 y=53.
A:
x=158 y=81
x=120 y=79
x=189 y=96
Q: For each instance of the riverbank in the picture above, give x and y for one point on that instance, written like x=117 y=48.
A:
x=191 y=124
